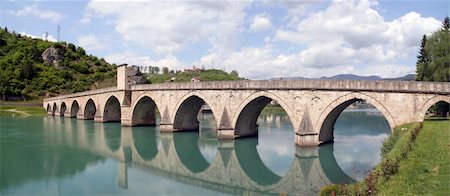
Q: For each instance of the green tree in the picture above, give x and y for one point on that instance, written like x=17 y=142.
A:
x=446 y=24
x=165 y=70
x=433 y=61
x=234 y=73
x=422 y=61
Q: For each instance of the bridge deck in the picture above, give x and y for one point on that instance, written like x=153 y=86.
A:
x=442 y=88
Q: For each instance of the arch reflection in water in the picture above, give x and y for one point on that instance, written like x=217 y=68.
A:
x=145 y=142
x=236 y=168
x=359 y=134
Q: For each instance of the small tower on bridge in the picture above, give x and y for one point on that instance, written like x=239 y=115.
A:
x=122 y=80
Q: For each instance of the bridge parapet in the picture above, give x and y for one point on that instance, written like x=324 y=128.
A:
x=334 y=85
x=84 y=93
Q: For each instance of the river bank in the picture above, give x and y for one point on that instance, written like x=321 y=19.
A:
x=22 y=108
x=414 y=161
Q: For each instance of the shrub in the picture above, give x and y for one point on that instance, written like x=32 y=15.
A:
x=371 y=181
x=337 y=189
x=389 y=167
x=390 y=142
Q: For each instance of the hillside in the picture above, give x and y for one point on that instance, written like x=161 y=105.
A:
x=33 y=68
x=198 y=74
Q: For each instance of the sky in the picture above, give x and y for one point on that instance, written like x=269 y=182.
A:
x=260 y=39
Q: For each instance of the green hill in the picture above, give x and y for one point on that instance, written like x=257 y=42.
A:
x=33 y=68
x=187 y=76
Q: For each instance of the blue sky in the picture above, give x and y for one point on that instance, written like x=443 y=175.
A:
x=259 y=39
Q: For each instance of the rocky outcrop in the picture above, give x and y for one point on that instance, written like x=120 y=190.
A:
x=53 y=56
x=135 y=76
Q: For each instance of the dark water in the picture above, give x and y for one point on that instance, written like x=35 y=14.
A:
x=53 y=156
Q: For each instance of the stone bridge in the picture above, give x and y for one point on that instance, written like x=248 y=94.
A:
x=236 y=167
x=312 y=105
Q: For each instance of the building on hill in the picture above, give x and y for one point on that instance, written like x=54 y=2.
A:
x=195 y=69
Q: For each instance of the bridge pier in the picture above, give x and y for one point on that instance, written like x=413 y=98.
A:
x=167 y=127
x=225 y=133
x=67 y=114
x=80 y=116
x=99 y=119
x=307 y=139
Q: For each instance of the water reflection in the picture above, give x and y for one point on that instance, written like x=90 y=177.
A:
x=141 y=160
x=359 y=134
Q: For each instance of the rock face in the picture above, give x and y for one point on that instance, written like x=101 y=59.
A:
x=52 y=56
x=135 y=76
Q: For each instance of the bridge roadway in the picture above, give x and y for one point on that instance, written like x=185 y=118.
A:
x=312 y=105
x=235 y=169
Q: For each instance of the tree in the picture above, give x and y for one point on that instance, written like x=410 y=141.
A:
x=422 y=61
x=165 y=70
x=433 y=61
x=235 y=73
x=446 y=24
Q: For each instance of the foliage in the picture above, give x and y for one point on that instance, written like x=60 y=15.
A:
x=23 y=72
x=389 y=143
x=333 y=189
x=433 y=61
x=205 y=75
x=389 y=167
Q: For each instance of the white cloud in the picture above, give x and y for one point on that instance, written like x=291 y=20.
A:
x=357 y=30
x=346 y=37
x=35 y=11
x=166 y=27
x=131 y=58
x=92 y=42
x=261 y=23
x=43 y=36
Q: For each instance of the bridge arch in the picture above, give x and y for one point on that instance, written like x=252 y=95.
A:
x=89 y=110
x=144 y=112
x=63 y=108
x=54 y=109
x=246 y=116
x=74 y=109
x=328 y=117
x=111 y=111
x=186 y=111
x=49 y=109
x=430 y=102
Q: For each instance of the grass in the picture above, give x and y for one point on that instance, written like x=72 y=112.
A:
x=415 y=161
x=426 y=170
x=21 y=111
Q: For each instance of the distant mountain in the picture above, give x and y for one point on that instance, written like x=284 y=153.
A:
x=351 y=77
x=409 y=77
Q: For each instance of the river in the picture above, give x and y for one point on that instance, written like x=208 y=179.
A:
x=61 y=156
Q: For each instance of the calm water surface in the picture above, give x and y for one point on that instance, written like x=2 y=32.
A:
x=57 y=156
